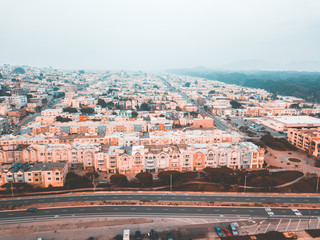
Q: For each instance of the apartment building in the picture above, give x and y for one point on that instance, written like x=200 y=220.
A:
x=41 y=175
x=305 y=139
x=17 y=101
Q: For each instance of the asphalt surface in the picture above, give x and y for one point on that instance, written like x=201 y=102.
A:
x=149 y=211
x=217 y=121
x=161 y=197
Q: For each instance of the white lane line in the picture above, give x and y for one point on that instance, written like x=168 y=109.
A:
x=278 y=224
x=288 y=225
x=204 y=220
x=267 y=227
x=190 y=221
x=298 y=225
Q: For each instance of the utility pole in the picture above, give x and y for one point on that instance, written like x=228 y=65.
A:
x=94 y=186
x=12 y=189
x=245 y=183
x=171 y=182
x=317 y=184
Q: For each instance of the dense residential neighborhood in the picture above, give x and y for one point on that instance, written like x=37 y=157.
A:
x=132 y=122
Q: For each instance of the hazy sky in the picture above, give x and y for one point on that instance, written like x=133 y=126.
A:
x=150 y=34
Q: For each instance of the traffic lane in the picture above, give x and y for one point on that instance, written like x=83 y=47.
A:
x=159 y=197
x=135 y=210
x=157 y=211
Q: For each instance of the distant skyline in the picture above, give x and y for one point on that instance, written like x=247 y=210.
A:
x=158 y=35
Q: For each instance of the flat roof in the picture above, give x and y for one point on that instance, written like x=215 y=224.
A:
x=288 y=120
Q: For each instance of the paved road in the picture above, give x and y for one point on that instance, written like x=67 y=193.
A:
x=217 y=121
x=145 y=211
x=160 y=197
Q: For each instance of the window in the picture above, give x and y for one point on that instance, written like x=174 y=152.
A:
x=57 y=179
x=49 y=178
x=36 y=174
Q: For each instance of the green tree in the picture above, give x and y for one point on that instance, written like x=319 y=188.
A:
x=110 y=105
x=119 y=180
x=145 y=177
x=70 y=110
x=62 y=119
x=194 y=114
x=87 y=110
x=102 y=103
x=19 y=70
x=134 y=114
x=165 y=176
x=187 y=84
x=235 y=104
x=144 y=107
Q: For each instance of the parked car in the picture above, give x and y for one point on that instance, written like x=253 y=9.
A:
x=227 y=232
x=233 y=229
x=219 y=231
x=137 y=235
x=169 y=236
x=32 y=210
x=152 y=234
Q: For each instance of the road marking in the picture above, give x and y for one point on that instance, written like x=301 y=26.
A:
x=318 y=223
x=251 y=211
x=115 y=208
x=182 y=209
x=288 y=225
x=204 y=220
x=165 y=209
x=278 y=224
x=298 y=225
x=191 y=221
x=149 y=209
x=81 y=209
x=63 y=210
x=133 y=208
x=199 y=210
x=267 y=227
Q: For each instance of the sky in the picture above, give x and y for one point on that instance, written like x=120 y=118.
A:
x=163 y=34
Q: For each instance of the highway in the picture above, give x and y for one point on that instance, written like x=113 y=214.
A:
x=151 y=211
x=162 y=197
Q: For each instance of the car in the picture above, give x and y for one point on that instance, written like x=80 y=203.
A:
x=152 y=234
x=227 y=232
x=233 y=229
x=119 y=237
x=137 y=235
x=219 y=231
x=32 y=210
x=169 y=236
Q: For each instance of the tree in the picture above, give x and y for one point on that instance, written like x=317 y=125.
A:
x=70 y=110
x=62 y=119
x=165 y=176
x=144 y=107
x=75 y=181
x=102 y=103
x=187 y=84
x=145 y=177
x=81 y=71
x=295 y=105
x=194 y=114
x=134 y=114
x=212 y=92
x=87 y=110
x=19 y=70
x=119 y=179
x=0 y=75
x=110 y=105
x=235 y=104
